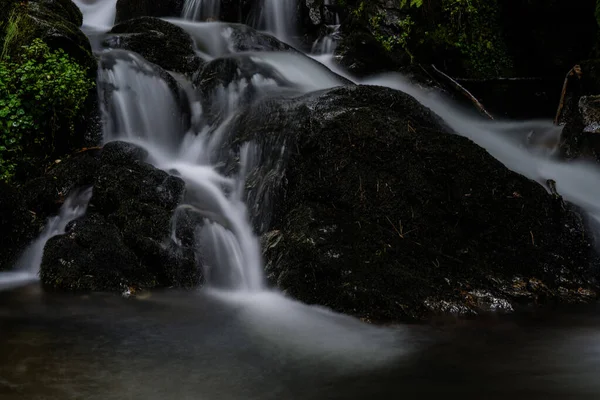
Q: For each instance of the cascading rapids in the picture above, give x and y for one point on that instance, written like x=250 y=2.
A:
x=142 y=110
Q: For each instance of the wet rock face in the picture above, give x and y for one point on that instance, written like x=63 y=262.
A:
x=385 y=214
x=125 y=240
x=589 y=107
x=20 y=226
x=245 y=38
x=158 y=41
x=580 y=113
x=128 y=9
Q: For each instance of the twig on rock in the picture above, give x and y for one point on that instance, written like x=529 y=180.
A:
x=464 y=91
x=575 y=71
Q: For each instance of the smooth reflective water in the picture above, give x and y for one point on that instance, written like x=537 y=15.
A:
x=197 y=346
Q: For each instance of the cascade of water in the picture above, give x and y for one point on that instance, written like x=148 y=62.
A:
x=211 y=38
x=327 y=43
x=28 y=266
x=226 y=238
x=142 y=105
x=277 y=17
x=201 y=10
x=98 y=14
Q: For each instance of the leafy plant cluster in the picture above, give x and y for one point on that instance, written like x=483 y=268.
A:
x=471 y=27
x=468 y=30
x=39 y=95
x=389 y=41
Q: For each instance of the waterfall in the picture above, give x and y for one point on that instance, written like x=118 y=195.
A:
x=277 y=17
x=98 y=14
x=142 y=110
x=28 y=266
x=201 y=10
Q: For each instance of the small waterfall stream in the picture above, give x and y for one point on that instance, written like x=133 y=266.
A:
x=277 y=17
x=97 y=14
x=201 y=10
x=28 y=266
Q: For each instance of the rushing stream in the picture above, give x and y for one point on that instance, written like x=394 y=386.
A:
x=235 y=339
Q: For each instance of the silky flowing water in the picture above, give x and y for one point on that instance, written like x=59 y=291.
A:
x=236 y=339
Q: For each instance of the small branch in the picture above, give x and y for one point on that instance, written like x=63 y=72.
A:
x=464 y=91
x=575 y=71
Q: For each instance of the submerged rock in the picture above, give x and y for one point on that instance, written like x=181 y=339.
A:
x=131 y=208
x=385 y=214
x=92 y=256
x=158 y=41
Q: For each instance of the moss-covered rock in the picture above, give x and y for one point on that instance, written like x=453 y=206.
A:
x=44 y=35
x=56 y=22
x=385 y=214
x=158 y=41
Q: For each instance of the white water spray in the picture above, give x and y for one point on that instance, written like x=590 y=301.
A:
x=28 y=267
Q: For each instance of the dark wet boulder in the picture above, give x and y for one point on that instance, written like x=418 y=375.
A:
x=91 y=256
x=121 y=177
x=133 y=202
x=158 y=41
x=384 y=213
x=245 y=38
x=45 y=194
x=19 y=225
x=129 y=9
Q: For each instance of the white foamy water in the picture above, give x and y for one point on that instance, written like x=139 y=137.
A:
x=28 y=266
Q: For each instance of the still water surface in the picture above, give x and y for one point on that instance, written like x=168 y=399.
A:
x=195 y=346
